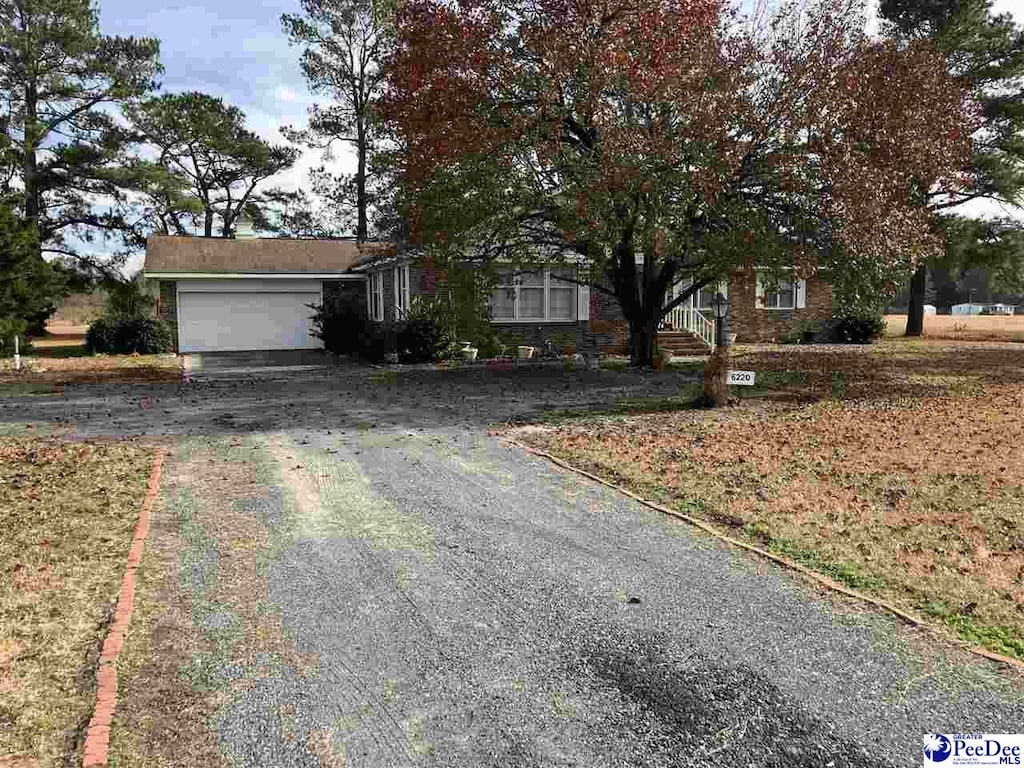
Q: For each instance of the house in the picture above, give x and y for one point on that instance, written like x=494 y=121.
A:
x=249 y=293
x=531 y=307
x=967 y=309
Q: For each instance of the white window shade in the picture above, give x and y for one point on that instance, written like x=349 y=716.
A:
x=538 y=296
x=561 y=295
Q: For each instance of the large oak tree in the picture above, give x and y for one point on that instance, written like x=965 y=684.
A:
x=670 y=140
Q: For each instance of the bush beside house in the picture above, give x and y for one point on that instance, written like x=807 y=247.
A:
x=127 y=326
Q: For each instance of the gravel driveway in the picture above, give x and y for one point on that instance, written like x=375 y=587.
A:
x=347 y=571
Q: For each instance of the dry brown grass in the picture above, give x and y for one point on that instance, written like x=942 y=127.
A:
x=67 y=511
x=54 y=372
x=898 y=469
x=963 y=327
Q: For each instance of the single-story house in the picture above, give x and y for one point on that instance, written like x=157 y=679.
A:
x=249 y=293
x=529 y=308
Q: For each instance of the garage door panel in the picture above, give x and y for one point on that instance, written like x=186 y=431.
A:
x=235 y=322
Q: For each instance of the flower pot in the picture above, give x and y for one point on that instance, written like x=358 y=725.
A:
x=469 y=354
x=525 y=353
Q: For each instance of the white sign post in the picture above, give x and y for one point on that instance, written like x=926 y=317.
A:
x=17 y=354
x=742 y=378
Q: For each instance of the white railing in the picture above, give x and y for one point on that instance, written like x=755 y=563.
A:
x=684 y=318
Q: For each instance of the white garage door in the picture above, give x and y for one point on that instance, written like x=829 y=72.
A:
x=232 y=322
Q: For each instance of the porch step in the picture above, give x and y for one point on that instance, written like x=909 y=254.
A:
x=683 y=344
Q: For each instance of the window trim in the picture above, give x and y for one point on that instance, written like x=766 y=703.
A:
x=375 y=291
x=400 y=281
x=548 y=279
x=799 y=294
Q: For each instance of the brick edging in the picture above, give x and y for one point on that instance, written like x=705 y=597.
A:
x=97 y=735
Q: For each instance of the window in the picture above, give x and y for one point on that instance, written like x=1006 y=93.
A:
x=400 y=278
x=561 y=295
x=780 y=293
x=375 y=296
x=539 y=296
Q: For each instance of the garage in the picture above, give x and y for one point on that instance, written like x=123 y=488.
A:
x=242 y=294
x=235 y=316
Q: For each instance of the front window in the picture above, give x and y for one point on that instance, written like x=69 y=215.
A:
x=400 y=276
x=780 y=295
x=539 y=296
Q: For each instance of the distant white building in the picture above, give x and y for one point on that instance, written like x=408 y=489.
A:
x=1000 y=309
x=966 y=309
x=929 y=309
x=982 y=309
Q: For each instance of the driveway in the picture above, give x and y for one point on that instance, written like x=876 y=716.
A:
x=346 y=570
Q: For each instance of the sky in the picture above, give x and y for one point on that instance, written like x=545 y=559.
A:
x=236 y=49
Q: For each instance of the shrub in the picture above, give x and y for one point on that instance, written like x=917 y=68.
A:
x=128 y=335
x=852 y=329
x=420 y=340
x=345 y=329
x=340 y=325
x=802 y=332
x=9 y=328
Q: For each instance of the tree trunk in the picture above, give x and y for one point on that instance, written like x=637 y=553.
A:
x=915 y=312
x=642 y=336
x=716 y=378
x=362 y=229
x=208 y=223
x=30 y=169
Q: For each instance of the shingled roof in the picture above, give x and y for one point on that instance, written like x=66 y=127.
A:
x=218 y=255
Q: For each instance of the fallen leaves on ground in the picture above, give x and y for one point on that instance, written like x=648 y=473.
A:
x=112 y=369
x=67 y=510
x=907 y=481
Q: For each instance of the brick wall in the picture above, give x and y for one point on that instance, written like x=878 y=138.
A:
x=568 y=337
x=167 y=307
x=751 y=324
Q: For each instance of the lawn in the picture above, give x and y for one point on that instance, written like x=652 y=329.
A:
x=49 y=369
x=67 y=511
x=897 y=469
x=963 y=327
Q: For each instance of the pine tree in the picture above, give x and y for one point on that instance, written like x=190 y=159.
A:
x=209 y=166
x=344 y=43
x=59 y=79
x=987 y=51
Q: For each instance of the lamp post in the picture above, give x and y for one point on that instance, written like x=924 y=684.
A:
x=716 y=370
x=720 y=306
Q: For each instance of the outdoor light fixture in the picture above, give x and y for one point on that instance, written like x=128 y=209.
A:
x=720 y=304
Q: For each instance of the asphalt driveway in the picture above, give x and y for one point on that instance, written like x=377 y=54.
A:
x=346 y=570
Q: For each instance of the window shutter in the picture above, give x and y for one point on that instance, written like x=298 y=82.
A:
x=369 y=297
x=758 y=291
x=801 y=294
x=583 y=302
